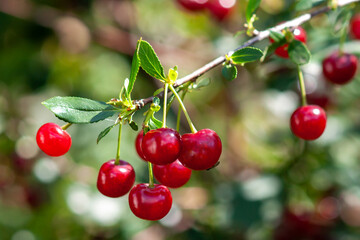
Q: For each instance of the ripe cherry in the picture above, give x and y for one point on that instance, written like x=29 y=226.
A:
x=161 y=146
x=308 y=122
x=115 y=180
x=340 y=68
x=150 y=203
x=193 y=5
x=355 y=26
x=53 y=140
x=200 y=150
x=138 y=144
x=299 y=34
x=221 y=8
x=172 y=175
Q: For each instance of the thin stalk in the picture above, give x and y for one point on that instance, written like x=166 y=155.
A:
x=165 y=103
x=192 y=127
x=117 y=159
x=179 y=111
x=66 y=126
x=151 y=175
x=302 y=87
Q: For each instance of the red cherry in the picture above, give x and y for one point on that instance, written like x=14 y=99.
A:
x=308 y=122
x=299 y=34
x=340 y=68
x=138 y=144
x=161 y=146
x=193 y=5
x=355 y=26
x=115 y=180
x=200 y=150
x=172 y=175
x=150 y=203
x=53 y=140
x=221 y=8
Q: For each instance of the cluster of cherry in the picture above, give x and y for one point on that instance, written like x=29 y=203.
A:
x=220 y=9
x=173 y=157
x=309 y=121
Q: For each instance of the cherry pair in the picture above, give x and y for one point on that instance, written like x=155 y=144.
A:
x=197 y=151
x=220 y=9
x=149 y=203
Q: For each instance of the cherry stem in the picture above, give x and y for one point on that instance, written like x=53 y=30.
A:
x=151 y=175
x=165 y=103
x=302 y=87
x=117 y=159
x=191 y=125
x=66 y=126
x=343 y=35
x=179 y=111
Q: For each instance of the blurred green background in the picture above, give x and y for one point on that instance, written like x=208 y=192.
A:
x=269 y=185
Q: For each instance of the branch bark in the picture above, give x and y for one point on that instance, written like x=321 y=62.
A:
x=260 y=36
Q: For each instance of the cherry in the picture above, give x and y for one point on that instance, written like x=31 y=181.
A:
x=115 y=180
x=221 y=8
x=161 y=146
x=299 y=34
x=193 y=5
x=339 y=68
x=308 y=122
x=53 y=140
x=200 y=150
x=150 y=203
x=138 y=144
x=355 y=26
x=172 y=175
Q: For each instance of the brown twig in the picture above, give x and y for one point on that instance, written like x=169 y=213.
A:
x=260 y=36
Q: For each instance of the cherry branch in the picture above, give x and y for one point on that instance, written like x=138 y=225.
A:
x=259 y=36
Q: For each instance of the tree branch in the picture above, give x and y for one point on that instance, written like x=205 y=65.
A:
x=260 y=36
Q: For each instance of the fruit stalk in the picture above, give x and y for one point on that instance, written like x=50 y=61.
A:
x=151 y=175
x=191 y=125
x=66 y=126
x=117 y=159
x=302 y=87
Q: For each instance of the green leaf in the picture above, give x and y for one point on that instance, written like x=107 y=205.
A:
x=251 y=8
x=299 y=53
x=105 y=132
x=277 y=37
x=303 y=5
x=158 y=91
x=229 y=72
x=245 y=55
x=150 y=62
x=133 y=125
x=204 y=82
x=341 y=20
x=135 y=65
x=154 y=123
x=79 y=110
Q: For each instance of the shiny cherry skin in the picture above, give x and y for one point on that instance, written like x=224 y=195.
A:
x=200 y=150
x=161 y=146
x=193 y=5
x=308 y=122
x=355 y=26
x=299 y=34
x=340 y=68
x=53 y=140
x=115 y=180
x=150 y=203
x=172 y=175
x=138 y=144
x=221 y=9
